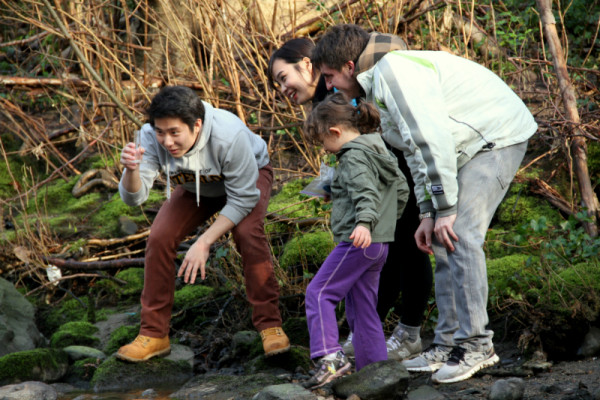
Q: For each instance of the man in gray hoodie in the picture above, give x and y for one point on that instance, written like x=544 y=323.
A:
x=217 y=165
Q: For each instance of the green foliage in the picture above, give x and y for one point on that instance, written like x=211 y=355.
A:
x=75 y=333
x=190 y=295
x=306 y=249
x=120 y=337
x=290 y=203
x=499 y=243
x=518 y=207
x=553 y=284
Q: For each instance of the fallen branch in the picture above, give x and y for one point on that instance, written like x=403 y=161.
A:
x=95 y=265
x=36 y=82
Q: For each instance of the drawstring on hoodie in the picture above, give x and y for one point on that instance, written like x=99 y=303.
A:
x=168 y=181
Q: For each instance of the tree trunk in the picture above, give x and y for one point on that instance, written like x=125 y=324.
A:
x=578 y=142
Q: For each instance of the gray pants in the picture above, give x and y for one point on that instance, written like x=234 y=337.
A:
x=461 y=288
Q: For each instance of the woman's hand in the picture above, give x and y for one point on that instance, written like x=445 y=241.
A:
x=361 y=236
x=423 y=235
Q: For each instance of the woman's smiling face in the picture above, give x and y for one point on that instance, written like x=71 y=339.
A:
x=295 y=81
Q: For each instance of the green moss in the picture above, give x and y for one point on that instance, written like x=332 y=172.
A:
x=506 y=277
x=158 y=370
x=190 y=295
x=306 y=249
x=290 y=361
x=39 y=364
x=297 y=331
x=75 y=333
x=289 y=203
x=120 y=337
x=135 y=281
x=82 y=370
x=499 y=243
x=518 y=208
x=69 y=310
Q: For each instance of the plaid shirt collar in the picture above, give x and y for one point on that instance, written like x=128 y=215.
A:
x=378 y=46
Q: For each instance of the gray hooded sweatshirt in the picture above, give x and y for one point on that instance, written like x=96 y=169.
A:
x=224 y=161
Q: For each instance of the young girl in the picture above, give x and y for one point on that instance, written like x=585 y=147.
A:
x=368 y=195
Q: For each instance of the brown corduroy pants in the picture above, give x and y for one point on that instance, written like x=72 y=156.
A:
x=177 y=218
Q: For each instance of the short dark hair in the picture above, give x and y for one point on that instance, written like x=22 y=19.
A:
x=336 y=110
x=176 y=102
x=340 y=44
x=292 y=51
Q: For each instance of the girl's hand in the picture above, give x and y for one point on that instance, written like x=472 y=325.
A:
x=361 y=236
x=131 y=156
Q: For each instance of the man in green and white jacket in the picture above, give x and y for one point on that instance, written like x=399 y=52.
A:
x=464 y=134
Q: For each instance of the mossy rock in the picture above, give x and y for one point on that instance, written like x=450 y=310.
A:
x=218 y=386
x=116 y=375
x=297 y=331
x=46 y=365
x=80 y=373
x=135 y=281
x=75 y=333
x=51 y=318
x=297 y=356
x=120 y=337
x=309 y=249
x=190 y=295
x=505 y=277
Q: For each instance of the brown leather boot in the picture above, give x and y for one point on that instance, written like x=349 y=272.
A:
x=275 y=341
x=143 y=348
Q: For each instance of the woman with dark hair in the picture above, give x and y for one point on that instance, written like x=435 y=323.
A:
x=290 y=71
x=407 y=270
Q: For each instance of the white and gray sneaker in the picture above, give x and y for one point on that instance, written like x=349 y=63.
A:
x=348 y=347
x=399 y=346
x=463 y=363
x=430 y=360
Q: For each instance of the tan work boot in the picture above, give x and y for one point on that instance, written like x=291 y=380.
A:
x=275 y=341
x=143 y=348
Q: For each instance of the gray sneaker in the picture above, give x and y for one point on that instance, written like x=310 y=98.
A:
x=430 y=360
x=399 y=347
x=348 y=347
x=463 y=363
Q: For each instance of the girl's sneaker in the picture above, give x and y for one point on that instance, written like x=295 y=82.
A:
x=327 y=370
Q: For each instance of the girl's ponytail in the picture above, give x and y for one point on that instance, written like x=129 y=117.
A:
x=366 y=118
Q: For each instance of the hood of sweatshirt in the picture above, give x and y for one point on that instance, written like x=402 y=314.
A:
x=378 y=46
x=374 y=147
x=196 y=151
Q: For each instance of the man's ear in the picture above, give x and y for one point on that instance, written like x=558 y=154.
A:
x=351 y=67
x=198 y=125
x=335 y=131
